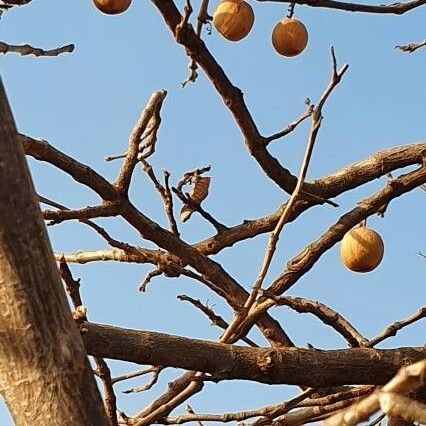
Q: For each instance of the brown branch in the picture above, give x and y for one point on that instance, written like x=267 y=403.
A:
x=408 y=378
x=239 y=416
x=164 y=192
x=102 y=370
x=305 y=260
x=275 y=234
x=323 y=313
x=291 y=127
x=26 y=49
x=395 y=327
x=98 y=229
x=43 y=151
x=148 y=121
x=58 y=216
x=339 y=396
x=134 y=374
x=155 y=273
x=296 y=418
x=215 y=319
x=220 y=227
x=395 y=8
x=202 y=19
x=412 y=47
x=335 y=184
x=270 y=365
x=155 y=370
x=15 y=2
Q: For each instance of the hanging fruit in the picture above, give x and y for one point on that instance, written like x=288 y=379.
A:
x=233 y=19
x=289 y=37
x=199 y=191
x=361 y=249
x=112 y=7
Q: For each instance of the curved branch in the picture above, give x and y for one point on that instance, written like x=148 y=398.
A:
x=323 y=313
x=395 y=8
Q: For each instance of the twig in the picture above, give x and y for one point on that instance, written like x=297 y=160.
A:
x=395 y=327
x=26 y=49
x=215 y=319
x=267 y=411
x=201 y=20
x=165 y=193
x=292 y=126
x=155 y=273
x=220 y=227
x=412 y=47
x=339 y=396
x=115 y=157
x=133 y=374
x=275 y=234
x=58 y=216
x=193 y=205
x=155 y=370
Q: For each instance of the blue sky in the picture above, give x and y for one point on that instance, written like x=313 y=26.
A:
x=86 y=103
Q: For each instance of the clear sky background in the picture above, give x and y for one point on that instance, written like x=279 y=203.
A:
x=86 y=103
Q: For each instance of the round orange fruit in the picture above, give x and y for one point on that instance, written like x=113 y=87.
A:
x=289 y=37
x=361 y=249
x=233 y=19
x=112 y=7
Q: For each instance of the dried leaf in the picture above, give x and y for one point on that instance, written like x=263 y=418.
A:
x=198 y=193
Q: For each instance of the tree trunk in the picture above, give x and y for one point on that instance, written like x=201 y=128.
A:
x=45 y=376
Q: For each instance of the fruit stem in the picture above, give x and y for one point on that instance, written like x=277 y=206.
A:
x=291 y=10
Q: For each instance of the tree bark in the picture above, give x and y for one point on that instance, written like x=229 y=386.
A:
x=45 y=376
x=295 y=366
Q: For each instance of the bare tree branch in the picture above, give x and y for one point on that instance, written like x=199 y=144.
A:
x=323 y=313
x=26 y=49
x=392 y=329
x=412 y=47
x=266 y=365
x=395 y=8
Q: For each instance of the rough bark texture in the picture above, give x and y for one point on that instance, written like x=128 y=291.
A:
x=45 y=377
x=267 y=365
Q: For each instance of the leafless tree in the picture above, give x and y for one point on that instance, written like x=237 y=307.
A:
x=44 y=372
